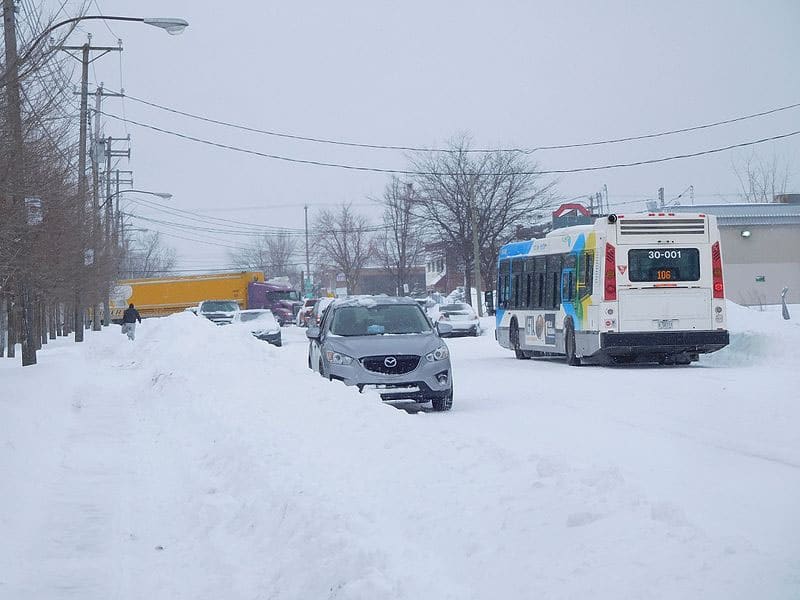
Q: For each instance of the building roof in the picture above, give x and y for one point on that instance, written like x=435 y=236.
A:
x=732 y=215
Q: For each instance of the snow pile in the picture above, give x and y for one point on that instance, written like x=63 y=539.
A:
x=220 y=505
x=758 y=337
x=201 y=463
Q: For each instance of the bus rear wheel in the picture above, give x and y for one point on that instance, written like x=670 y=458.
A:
x=569 y=345
x=514 y=335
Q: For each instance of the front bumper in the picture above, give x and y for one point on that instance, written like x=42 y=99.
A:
x=663 y=342
x=463 y=327
x=426 y=377
x=273 y=338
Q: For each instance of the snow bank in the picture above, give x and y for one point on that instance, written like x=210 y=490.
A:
x=200 y=463
x=240 y=510
x=758 y=337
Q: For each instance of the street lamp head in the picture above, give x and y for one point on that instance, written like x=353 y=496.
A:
x=164 y=195
x=173 y=26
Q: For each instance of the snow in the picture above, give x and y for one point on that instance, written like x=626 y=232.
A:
x=198 y=462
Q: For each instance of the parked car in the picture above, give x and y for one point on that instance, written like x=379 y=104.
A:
x=320 y=306
x=221 y=312
x=387 y=343
x=301 y=320
x=262 y=324
x=460 y=316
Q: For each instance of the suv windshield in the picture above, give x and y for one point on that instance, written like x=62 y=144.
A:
x=379 y=319
x=219 y=306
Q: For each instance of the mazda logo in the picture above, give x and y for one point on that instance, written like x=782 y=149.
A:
x=390 y=362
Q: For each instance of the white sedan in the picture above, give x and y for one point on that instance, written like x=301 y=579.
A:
x=460 y=315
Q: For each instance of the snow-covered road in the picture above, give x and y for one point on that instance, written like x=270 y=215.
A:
x=200 y=463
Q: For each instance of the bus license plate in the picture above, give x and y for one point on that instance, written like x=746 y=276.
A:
x=664 y=323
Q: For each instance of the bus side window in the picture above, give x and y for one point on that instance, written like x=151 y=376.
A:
x=502 y=283
x=587 y=275
x=528 y=281
x=553 y=292
x=516 y=286
x=529 y=268
x=539 y=282
x=569 y=278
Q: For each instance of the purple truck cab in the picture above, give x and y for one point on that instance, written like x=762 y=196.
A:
x=282 y=299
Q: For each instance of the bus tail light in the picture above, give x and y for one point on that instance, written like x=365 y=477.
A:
x=716 y=271
x=610 y=278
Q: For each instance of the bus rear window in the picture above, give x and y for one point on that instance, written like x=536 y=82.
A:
x=663 y=265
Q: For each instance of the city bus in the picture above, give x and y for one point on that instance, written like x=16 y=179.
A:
x=640 y=288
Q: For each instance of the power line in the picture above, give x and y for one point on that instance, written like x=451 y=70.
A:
x=435 y=173
x=212 y=269
x=239 y=231
x=206 y=219
x=334 y=142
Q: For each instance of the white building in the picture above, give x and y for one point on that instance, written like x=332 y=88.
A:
x=760 y=249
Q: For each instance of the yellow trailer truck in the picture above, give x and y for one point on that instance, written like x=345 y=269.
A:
x=159 y=297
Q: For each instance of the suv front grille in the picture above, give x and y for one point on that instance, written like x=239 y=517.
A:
x=398 y=364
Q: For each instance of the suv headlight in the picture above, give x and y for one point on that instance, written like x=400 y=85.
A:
x=337 y=358
x=441 y=353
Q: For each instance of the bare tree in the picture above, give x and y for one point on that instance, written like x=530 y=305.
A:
x=761 y=179
x=147 y=256
x=272 y=253
x=43 y=232
x=399 y=246
x=503 y=188
x=342 y=241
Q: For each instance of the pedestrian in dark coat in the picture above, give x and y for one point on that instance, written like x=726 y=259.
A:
x=129 y=318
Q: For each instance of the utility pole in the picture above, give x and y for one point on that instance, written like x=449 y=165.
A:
x=81 y=275
x=109 y=154
x=661 y=197
x=16 y=179
x=476 y=254
x=118 y=223
x=307 y=285
x=99 y=142
x=109 y=245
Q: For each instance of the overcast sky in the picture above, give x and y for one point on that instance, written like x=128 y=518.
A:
x=509 y=73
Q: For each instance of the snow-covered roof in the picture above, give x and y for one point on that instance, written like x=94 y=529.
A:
x=762 y=213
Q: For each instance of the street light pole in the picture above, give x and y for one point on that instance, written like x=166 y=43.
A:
x=170 y=25
x=307 y=283
x=476 y=254
x=82 y=189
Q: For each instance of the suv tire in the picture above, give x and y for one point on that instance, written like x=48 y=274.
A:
x=443 y=403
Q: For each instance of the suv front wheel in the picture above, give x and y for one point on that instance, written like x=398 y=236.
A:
x=443 y=403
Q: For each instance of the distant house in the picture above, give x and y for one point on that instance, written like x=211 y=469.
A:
x=372 y=280
x=760 y=249
x=377 y=280
x=444 y=272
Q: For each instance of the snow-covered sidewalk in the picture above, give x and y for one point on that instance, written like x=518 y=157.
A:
x=198 y=462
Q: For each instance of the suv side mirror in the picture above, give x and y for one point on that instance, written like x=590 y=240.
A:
x=312 y=332
x=443 y=328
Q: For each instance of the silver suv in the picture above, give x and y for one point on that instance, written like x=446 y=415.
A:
x=386 y=343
